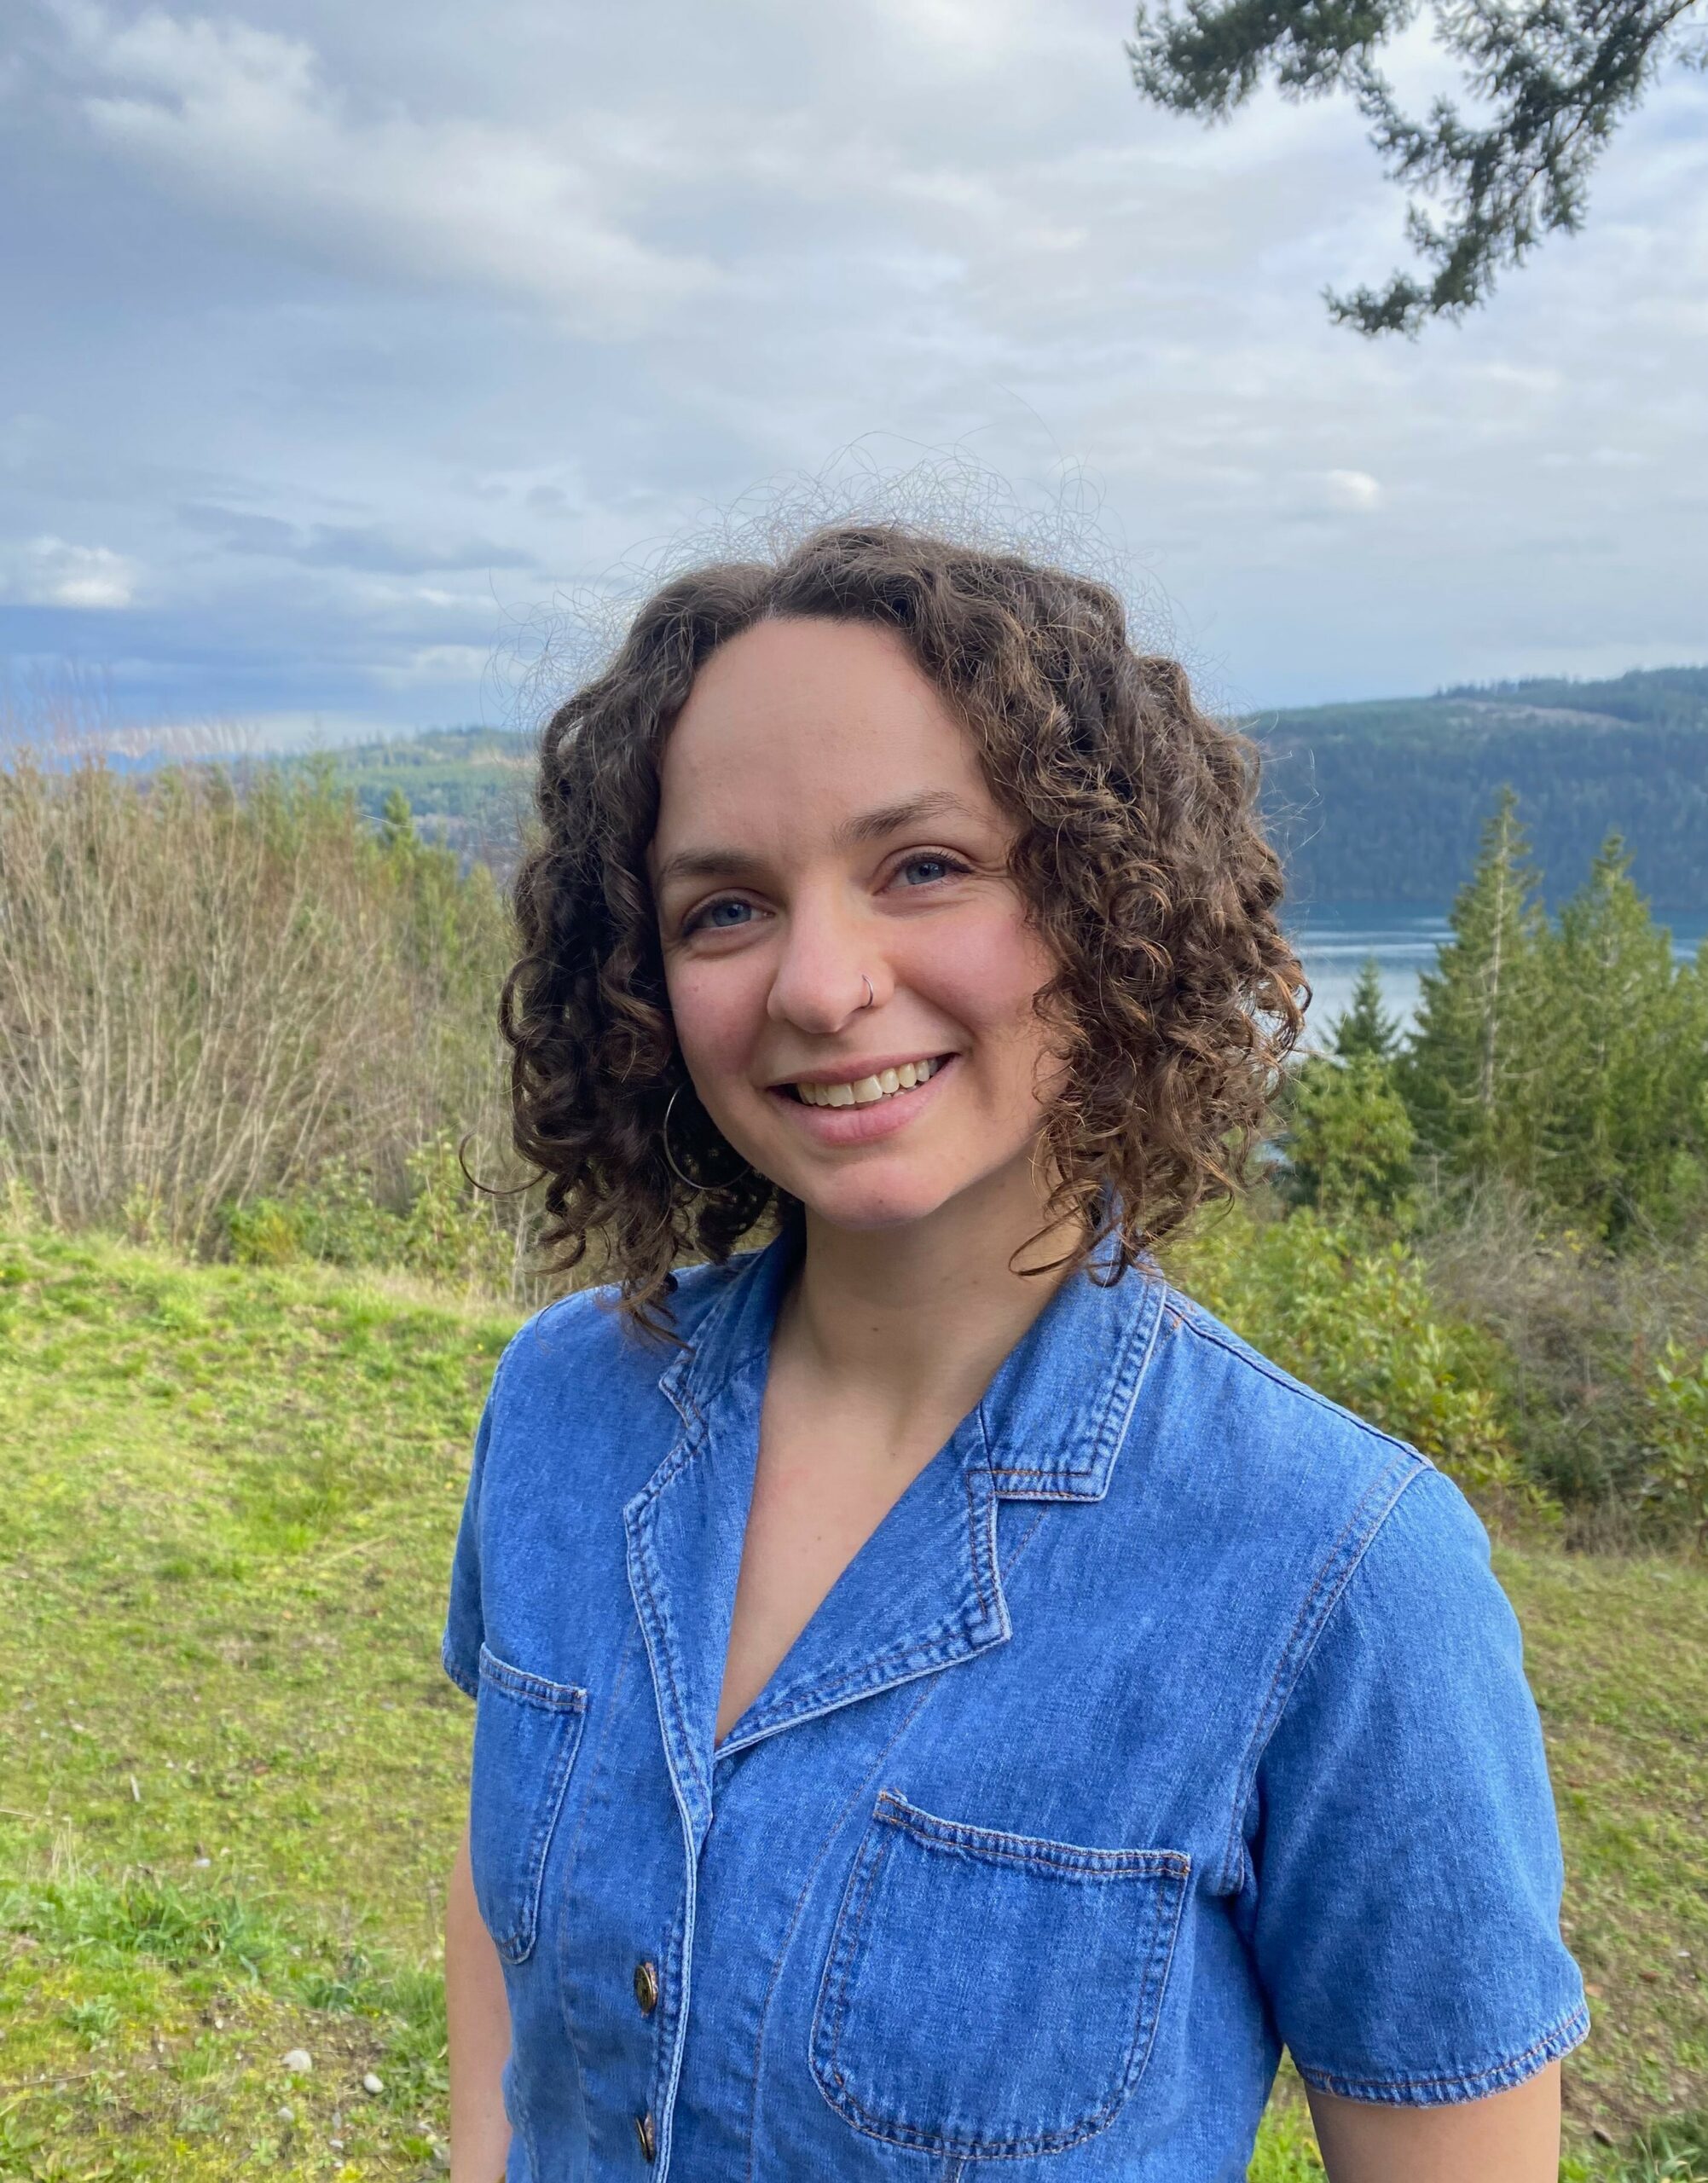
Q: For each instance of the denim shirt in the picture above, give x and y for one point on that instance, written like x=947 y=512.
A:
x=1171 y=1714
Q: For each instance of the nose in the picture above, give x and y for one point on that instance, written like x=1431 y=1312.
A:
x=828 y=965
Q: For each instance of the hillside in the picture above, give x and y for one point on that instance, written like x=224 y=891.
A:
x=1382 y=802
x=1374 y=802
x=231 y=1769
x=468 y=786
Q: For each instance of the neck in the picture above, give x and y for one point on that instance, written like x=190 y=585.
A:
x=917 y=1319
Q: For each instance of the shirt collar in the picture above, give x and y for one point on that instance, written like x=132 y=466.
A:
x=1057 y=1410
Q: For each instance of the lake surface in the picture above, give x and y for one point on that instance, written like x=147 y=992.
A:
x=1333 y=938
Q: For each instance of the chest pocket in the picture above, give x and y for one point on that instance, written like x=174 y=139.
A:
x=991 y=1995
x=526 y=1733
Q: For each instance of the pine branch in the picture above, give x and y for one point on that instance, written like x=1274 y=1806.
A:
x=1212 y=56
x=1559 y=75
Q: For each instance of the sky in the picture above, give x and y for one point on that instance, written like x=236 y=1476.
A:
x=346 y=353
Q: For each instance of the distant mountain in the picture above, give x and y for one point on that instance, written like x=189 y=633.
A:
x=1383 y=801
x=1374 y=802
x=469 y=787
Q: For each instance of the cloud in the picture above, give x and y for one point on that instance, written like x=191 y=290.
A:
x=372 y=548
x=349 y=334
x=52 y=572
x=432 y=666
x=243 y=122
x=963 y=35
x=1355 y=492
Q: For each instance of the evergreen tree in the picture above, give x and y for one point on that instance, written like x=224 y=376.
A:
x=1623 y=1040
x=1366 y=1027
x=397 y=823
x=1470 y=1075
x=427 y=873
x=1349 y=1140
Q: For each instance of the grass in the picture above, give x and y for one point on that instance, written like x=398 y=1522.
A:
x=231 y=1771
x=1618 y=1651
x=146 y=2027
x=230 y=1495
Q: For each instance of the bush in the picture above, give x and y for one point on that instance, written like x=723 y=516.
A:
x=444 y=1230
x=219 y=992
x=1352 y=1316
x=1601 y=1352
x=267 y=1233
x=1677 y=1484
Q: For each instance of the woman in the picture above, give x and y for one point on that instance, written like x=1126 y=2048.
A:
x=946 y=1708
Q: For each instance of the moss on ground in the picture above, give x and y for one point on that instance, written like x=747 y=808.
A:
x=231 y=1771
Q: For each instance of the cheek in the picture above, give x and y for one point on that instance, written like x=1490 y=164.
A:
x=985 y=972
x=714 y=1011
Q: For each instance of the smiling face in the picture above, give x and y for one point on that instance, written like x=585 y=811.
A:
x=825 y=833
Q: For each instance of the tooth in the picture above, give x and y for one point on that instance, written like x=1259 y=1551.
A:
x=924 y=1071
x=866 y=1090
x=841 y=1095
x=907 y=1076
x=809 y=1092
x=889 y=1080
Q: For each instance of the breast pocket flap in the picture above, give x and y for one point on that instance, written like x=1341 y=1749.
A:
x=990 y=1996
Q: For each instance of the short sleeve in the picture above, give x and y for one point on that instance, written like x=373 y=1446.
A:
x=1403 y=1846
x=464 y=1623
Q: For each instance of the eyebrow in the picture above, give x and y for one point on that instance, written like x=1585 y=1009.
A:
x=865 y=827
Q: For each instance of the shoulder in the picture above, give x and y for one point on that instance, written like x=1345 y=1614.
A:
x=581 y=1373
x=1299 y=1442
x=587 y=1331
x=1262 y=1386
x=1330 y=1520
x=1300 y=1463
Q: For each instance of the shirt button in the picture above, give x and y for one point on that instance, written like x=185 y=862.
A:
x=643 y=2137
x=646 y=1991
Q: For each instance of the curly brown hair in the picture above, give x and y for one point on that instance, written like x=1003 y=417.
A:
x=1138 y=852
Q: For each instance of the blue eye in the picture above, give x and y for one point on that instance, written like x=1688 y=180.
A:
x=934 y=867
x=722 y=916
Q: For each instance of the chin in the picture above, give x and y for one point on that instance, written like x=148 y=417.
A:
x=864 y=1207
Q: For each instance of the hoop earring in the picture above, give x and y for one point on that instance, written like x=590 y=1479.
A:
x=688 y=1182
x=692 y=1182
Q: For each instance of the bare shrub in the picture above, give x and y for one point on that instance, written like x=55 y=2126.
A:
x=1597 y=1344
x=210 y=989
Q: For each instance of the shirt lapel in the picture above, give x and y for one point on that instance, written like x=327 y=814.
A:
x=686 y=1525
x=924 y=1591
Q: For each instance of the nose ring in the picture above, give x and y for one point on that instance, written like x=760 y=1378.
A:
x=869 y=995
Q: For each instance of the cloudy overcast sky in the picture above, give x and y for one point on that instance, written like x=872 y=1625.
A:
x=336 y=344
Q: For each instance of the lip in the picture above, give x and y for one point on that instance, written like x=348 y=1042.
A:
x=848 y=1125
x=850 y=1072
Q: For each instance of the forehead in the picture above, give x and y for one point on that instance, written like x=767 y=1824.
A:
x=794 y=721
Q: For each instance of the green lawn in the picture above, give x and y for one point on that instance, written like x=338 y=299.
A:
x=231 y=1770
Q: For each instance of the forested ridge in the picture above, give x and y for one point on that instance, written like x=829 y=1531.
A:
x=1383 y=801
x=1380 y=801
